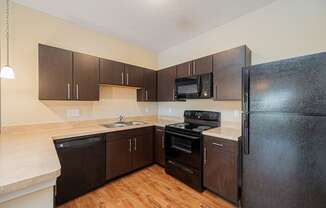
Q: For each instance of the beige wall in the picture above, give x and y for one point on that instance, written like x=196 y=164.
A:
x=283 y=29
x=20 y=104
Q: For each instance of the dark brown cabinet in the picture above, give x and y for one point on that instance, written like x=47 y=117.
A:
x=227 y=72
x=166 y=84
x=185 y=69
x=55 y=73
x=65 y=75
x=119 y=156
x=203 y=65
x=86 y=77
x=221 y=168
x=111 y=72
x=143 y=151
x=149 y=91
x=159 y=146
x=134 y=76
x=128 y=150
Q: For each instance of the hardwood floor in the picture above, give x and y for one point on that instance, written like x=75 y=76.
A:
x=149 y=187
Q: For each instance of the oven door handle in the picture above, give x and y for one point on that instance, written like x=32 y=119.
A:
x=181 y=135
x=181 y=149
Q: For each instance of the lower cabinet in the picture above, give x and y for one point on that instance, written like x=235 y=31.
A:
x=221 y=167
x=128 y=150
x=159 y=146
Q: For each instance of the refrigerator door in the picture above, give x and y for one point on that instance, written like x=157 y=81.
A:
x=295 y=85
x=286 y=166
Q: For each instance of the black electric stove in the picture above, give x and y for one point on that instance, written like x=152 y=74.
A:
x=184 y=146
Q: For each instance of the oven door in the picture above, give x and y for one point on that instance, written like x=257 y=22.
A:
x=188 y=87
x=183 y=148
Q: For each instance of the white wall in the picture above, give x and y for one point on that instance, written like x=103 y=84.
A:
x=283 y=29
x=20 y=104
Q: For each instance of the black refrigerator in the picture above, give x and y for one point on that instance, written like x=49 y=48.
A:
x=284 y=134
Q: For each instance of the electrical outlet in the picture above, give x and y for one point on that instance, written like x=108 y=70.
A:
x=70 y=113
x=146 y=110
x=170 y=110
x=236 y=114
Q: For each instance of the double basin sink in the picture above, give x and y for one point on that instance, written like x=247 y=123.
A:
x=124 y=124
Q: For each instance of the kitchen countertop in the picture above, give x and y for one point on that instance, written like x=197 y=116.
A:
x=28 y=156
x=228 y=130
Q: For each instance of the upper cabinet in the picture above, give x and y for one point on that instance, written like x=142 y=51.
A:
x=65 y=75
x=185 y=69
x=86 y=77
x=166 y=84
x=227 y=72
x=111 y=72
x=55 y=73
x=116 y=73
x=199 y=66
x=203 y=65
x=149 y=91
x=134 y=76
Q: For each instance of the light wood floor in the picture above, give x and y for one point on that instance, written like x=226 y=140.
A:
x=150 y=188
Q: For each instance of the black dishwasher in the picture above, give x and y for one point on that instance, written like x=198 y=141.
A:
x=83 y=164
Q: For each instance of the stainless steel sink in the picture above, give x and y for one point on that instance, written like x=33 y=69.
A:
x=136 y=123
x=115 y=125
x=123 y=124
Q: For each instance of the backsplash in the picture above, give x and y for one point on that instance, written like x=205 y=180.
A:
x=230 y=110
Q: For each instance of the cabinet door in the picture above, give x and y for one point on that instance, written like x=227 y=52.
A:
x=149 y=92
x=143 y=153
x=118 y=156
x=227 y=69
x=166 y=84
x=55 y=73
x=221 y=167
x=111 y=72
x=159 y=146
x=203 y=65
x=133 y=76
x=86 y=77
x=185 y=69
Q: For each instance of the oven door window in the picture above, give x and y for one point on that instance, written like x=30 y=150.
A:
x=181 y=144
x=183 y=150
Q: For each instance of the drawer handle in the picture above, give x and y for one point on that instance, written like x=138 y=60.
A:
x=218 y=144
x=205 y=156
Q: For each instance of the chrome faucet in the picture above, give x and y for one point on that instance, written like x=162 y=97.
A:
x=121 y=118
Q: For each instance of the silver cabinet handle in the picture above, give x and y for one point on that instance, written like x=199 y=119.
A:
x=160 y=130
x=135 y=144
x=146 y=93
x=68 y=91
x=163 y=140
x=77 y=92
x=122 y=78
x=173 y=94
x=189 y=72
x=218 y=144
x=129 y=145
x=127 y=78
x=205 y=155
x=194 y=71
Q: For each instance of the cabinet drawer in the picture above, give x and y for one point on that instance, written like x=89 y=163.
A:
x=222 y=144
x=112 y=136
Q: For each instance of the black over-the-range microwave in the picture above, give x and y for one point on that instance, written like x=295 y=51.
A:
x=194 y=87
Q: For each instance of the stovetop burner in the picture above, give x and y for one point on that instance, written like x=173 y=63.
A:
x=190 y=126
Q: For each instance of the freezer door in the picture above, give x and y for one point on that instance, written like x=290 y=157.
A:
x=285 y=166
x=295 y=86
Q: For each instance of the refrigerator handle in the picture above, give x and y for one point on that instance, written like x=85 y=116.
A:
x=245 y=134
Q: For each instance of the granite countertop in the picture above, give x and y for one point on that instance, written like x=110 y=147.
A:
x=28 y=156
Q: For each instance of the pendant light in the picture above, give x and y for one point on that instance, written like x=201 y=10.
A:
x=7 y=72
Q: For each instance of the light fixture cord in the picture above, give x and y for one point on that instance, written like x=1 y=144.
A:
x=7 y=31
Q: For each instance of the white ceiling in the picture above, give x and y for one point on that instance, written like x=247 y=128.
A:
x=153 y=24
